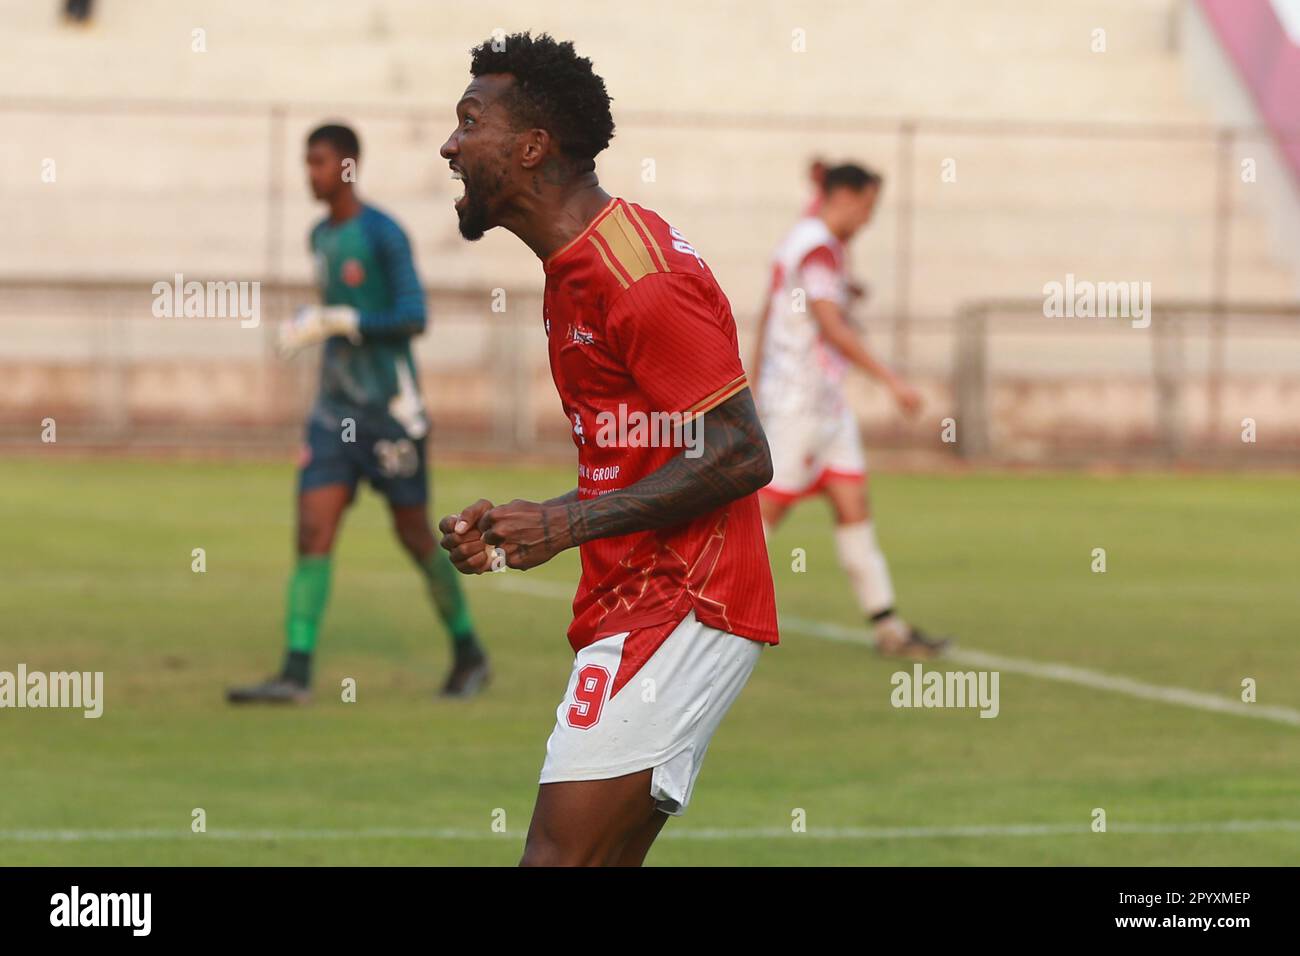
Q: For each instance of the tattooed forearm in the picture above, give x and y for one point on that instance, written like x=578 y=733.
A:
x=564 y=499
x=555 y=522
x=735 y=462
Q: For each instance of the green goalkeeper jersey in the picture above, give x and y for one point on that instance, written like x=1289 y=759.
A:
x=366 y=263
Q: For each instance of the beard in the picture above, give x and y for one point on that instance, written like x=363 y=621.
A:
x=473 y=217
x=476 y=216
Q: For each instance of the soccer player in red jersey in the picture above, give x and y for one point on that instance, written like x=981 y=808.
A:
x=675 y=603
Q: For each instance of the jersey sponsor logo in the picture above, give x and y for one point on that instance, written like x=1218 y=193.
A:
x=580 y=336
x=603 y=473
x=353 y=273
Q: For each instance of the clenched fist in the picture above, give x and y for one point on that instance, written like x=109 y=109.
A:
x=523 y=534
x=462 y=539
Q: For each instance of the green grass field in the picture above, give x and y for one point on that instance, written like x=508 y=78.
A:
x=1200 y=592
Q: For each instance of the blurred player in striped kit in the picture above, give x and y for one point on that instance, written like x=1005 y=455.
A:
x=806 y=344
x=368 y=421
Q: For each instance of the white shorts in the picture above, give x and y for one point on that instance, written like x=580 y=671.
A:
x=808 y=448
x=662 y=718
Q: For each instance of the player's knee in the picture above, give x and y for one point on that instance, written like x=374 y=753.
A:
x=536 y=854
x=313 y=541
x=316 y=534
x=850 y=508
x=847 y=516
x=543 y=851
x=417 y=540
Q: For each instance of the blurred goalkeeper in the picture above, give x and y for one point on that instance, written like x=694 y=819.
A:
x=368 y=421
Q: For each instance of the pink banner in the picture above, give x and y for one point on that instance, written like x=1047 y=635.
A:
x=1269 y=64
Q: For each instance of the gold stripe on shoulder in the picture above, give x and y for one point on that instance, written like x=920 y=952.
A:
x=579 y=237
x=654 y=247
x=631 y=251
x=609 y=265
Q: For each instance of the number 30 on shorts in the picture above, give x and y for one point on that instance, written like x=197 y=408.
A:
x=589 y=697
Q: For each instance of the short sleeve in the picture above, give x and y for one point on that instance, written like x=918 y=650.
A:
x=819 y=274
x=678 y=341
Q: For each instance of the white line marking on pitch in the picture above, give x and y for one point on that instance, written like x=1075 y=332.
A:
x=1065 y=673
x=703 y=833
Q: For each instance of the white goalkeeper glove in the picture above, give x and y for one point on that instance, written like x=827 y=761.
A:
x=316 y=323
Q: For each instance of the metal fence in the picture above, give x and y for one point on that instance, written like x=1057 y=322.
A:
x=92 y=356
x=1214 y=382
x=1207 y=382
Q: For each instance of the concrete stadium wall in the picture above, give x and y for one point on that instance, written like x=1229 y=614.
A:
x=1104 y=165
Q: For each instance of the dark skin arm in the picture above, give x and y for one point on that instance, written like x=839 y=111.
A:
x=734 y=462
x=564 y=499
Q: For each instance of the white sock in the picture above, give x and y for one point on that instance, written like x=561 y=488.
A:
x=865 y=563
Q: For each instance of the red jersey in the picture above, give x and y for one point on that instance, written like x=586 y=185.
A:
x=638 y=329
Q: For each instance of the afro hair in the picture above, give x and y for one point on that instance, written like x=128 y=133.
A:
x=555 y=90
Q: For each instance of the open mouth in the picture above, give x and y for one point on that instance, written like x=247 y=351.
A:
x=459 y=176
